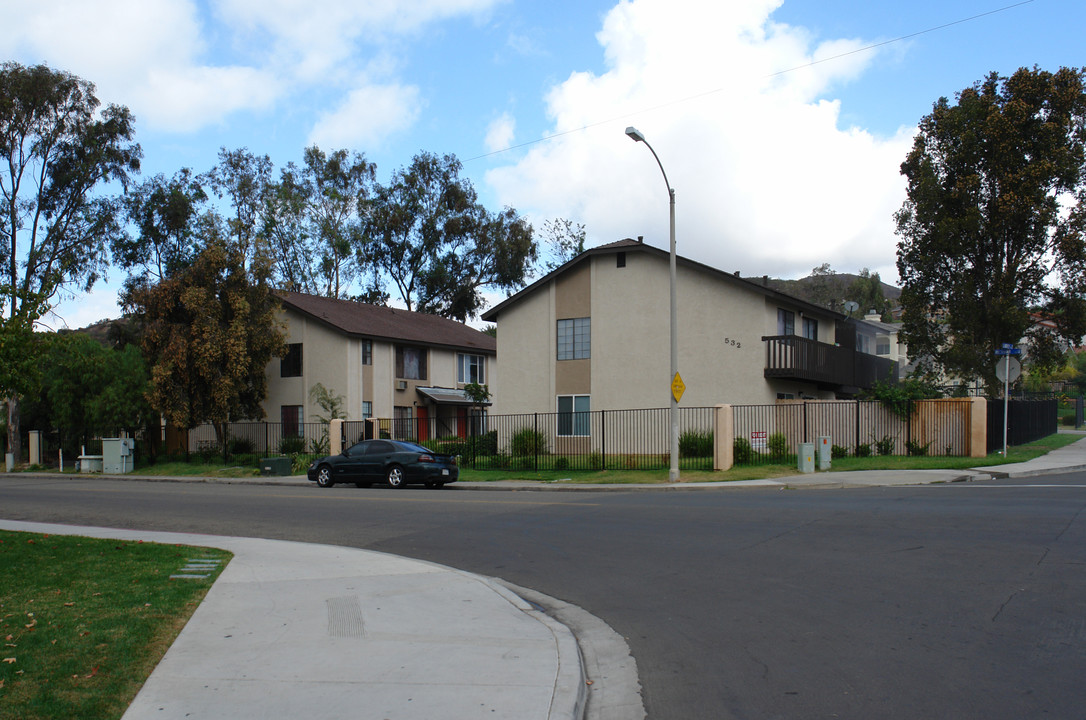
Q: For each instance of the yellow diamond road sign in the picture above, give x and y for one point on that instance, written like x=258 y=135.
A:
x=677 y=388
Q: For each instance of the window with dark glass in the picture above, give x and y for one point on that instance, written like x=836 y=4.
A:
x=786 y=322
x=291 y=416
x=574 y=415
x=367 y=352
x=291 y=364
x=810 y=328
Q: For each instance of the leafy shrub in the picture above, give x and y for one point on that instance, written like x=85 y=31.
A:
x=885 y=446
x=561 y=463
x=863 y=450
x=241 y=446
x=778 y=445
x=486 y=444
x=595 y=461
x=837 y=452
x=742 y=452
x=291 y=445
x=527 y=441
x=526 y=462
x=915 y=448
x=696 y=444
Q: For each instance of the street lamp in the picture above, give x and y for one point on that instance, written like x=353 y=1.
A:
x=673 y=472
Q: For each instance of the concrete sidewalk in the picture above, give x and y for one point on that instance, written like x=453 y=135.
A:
x=298 y=630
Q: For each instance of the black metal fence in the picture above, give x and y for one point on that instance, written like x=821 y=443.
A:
x=766 y=434
x=1027 y=420
x=626 y=439
x=596 y=440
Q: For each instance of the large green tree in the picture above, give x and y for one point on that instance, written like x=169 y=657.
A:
x=993 y=225
x=429 y=236
x=90 y=389
x=208 y=332
x=58 y=148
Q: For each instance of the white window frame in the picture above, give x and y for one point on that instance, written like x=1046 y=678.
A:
x=464 y=363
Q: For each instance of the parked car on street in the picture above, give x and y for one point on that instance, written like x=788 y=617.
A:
x=395 y=462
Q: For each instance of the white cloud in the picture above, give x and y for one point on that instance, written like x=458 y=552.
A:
x=500 y=132
x=766 y=179
x=367 y=116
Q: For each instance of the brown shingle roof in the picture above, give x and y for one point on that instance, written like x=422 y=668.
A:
x=386 y=323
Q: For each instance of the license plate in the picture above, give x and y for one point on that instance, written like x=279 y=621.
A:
x=444 y=472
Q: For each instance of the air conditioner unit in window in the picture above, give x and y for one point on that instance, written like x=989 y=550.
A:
x=401 y=384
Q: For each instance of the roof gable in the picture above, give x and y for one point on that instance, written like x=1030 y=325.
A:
x=629 y=245
x=386 y=323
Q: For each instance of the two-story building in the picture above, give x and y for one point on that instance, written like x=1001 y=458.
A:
x=385 y=362
x=594 y=335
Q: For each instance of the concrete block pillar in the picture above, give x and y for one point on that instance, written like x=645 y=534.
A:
x=978 y=427
x=724 y=437
x=335 y=436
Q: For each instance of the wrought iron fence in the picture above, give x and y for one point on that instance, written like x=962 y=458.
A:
x=596 y=440
x=1027 y=420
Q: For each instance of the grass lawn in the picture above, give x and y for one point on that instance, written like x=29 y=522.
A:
x=84 y=621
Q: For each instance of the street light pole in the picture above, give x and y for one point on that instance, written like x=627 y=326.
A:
x=673 y=472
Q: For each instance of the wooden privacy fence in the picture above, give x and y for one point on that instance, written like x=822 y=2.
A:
x=767 y=433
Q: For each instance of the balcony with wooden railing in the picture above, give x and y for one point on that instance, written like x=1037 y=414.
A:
x=792 y=357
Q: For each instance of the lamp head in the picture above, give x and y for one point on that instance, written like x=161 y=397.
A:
x=635 y=134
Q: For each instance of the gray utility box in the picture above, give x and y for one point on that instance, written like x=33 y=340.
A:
x=117 y=457
x=806 y=457
x=825 y=452
x=275 y=466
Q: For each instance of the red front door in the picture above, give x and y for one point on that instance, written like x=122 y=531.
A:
x=422 y=418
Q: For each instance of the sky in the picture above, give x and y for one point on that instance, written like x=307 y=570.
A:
x=781 y=124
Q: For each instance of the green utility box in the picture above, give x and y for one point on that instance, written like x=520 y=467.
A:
x=275 y=466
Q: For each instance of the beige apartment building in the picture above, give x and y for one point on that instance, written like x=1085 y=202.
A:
x=385 y=362
x=594 y=335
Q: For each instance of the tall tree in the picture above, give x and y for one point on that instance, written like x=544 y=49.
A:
x=993 y=224
x=58 y=148
x=164 y=215
x=314 y=217
x=428 y=234
x=243 y=179
x=564 y=240
x=866 y=291
x=209 y=332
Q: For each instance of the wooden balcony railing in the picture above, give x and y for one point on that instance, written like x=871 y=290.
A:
x=797 y=358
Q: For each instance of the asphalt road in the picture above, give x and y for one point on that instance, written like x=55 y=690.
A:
x=943 y=601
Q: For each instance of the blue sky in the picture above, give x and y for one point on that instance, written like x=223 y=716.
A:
x=779 y=165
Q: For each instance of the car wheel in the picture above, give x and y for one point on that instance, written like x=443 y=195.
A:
x=324 y=476
x=362 y=485
x=395 y=476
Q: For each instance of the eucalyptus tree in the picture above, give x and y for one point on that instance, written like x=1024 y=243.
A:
x=61 y=153
x=428 y=235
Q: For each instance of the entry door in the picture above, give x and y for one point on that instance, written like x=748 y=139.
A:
x=422 y=418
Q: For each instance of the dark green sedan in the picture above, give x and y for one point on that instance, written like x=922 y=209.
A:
x=394 y=462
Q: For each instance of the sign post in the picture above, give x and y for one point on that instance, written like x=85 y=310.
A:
x=1007 y=369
